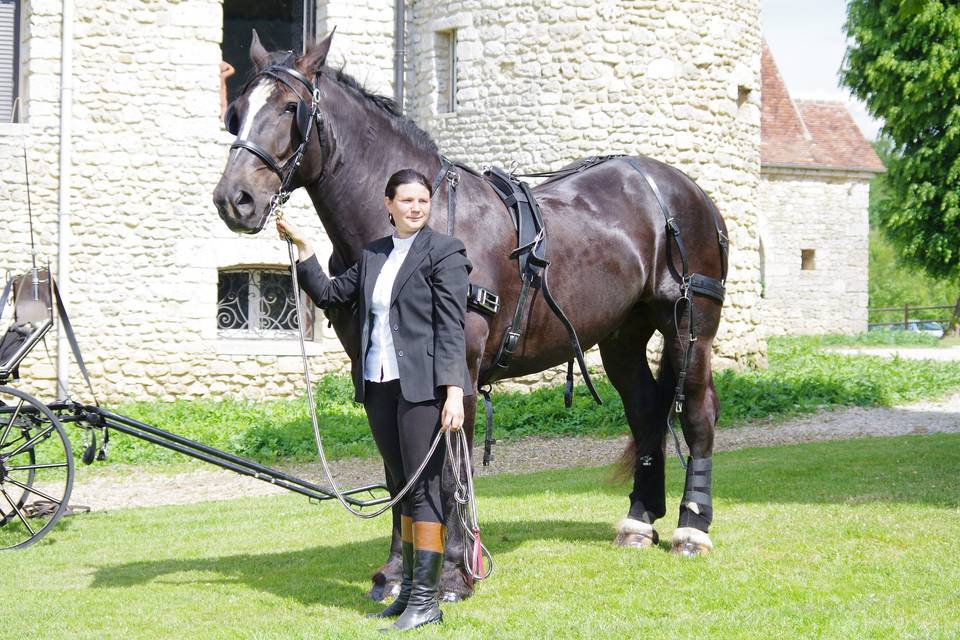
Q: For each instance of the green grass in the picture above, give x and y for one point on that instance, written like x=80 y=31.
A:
x=889 y=338
x=801 y=378
x=848 y=539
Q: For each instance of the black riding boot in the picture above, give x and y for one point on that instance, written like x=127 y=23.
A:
x=398 y=605
x=423 y=606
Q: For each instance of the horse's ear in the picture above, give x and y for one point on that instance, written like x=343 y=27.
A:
x=258 y=55
x=317 y=56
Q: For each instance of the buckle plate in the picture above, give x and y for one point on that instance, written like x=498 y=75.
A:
x=484 y=300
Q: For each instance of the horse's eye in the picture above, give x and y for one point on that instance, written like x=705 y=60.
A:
x=290 y=107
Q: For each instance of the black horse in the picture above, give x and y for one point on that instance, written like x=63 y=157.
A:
x=616 y=266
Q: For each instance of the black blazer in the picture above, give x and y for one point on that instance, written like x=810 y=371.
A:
x=427 y=310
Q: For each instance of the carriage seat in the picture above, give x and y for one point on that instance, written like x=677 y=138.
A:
x=32 y=318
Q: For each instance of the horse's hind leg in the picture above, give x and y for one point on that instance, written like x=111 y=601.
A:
x=698 y=418
x=625 y=362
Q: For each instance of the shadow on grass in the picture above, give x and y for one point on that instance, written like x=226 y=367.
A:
x=919 y=469
x=334 y=576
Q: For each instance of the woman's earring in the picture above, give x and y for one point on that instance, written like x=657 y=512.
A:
x=390 y=218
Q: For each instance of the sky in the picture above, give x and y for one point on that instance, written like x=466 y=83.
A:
x=808 y=43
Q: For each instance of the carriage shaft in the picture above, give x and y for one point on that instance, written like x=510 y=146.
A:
x=224 y=460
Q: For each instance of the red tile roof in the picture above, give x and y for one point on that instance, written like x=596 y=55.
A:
x=807 y=133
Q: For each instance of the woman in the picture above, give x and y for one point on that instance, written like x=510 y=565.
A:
x=411 y=291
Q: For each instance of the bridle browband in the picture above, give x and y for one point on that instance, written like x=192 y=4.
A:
x=305 y=116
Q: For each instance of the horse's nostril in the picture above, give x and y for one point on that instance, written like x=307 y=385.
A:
x=243 y=202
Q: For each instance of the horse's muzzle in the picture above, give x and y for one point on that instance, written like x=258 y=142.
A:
x=238 y=209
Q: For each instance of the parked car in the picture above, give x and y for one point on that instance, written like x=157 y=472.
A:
x=929 y=327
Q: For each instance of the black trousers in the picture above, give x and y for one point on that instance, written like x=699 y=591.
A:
x=404 y=432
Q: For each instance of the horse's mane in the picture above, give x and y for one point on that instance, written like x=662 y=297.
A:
x=394 y=114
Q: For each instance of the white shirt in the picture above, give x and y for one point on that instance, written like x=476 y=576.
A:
x=380 y=363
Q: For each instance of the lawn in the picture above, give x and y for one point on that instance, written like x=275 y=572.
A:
x=801 y=378
x=848 y=539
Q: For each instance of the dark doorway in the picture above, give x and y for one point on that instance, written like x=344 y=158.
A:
x=281 y=25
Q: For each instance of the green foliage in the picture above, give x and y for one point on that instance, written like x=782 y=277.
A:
x=828 y=540
x=877 y=339
x=894 y=285
x=904 y=62
x=801 y=377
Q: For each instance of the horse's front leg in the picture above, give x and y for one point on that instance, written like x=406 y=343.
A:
x=456 y=582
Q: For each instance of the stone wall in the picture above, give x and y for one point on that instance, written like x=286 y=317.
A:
x=538 y=85
x=148 y=150
x=822 y=211
x=363 y=44
x=543 y=83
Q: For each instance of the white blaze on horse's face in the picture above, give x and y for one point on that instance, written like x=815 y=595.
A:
x=255 y=103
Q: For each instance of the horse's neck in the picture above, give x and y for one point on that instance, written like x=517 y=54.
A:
x=365 y=149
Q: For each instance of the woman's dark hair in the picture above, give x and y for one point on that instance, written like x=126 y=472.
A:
x=405 y=176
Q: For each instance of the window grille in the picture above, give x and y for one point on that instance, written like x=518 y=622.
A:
x=260 y=303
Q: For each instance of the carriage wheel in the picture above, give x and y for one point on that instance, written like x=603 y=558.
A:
x=36 y=469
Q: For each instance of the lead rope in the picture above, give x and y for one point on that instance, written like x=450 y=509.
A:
x=474 y=550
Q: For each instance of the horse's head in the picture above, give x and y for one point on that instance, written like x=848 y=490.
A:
x=279 y=143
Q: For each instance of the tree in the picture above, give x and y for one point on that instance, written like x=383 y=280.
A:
x=903 y=61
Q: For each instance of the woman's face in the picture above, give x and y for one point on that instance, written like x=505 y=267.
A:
x=410 y=208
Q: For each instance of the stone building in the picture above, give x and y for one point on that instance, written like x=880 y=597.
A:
x=140 y=147
x=815 y=174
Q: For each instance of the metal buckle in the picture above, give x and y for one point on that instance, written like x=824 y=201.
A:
x=453 y=178
x=489 y=301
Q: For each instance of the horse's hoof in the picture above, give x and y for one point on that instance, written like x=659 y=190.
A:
x=690 y=543
x=636 y=534
x=450 y=596
x=379 y=592
x=454 y=586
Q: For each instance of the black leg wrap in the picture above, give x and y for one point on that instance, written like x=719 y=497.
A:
x=647 y=500
x=696 y=507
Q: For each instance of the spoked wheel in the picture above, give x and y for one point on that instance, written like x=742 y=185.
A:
x=36 y=469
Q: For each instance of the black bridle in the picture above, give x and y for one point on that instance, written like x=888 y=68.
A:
x=306 y=115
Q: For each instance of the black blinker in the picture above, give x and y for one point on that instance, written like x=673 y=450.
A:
x=231 y=121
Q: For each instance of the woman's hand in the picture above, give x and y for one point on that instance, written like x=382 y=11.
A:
x=287 y=230
x=451 y=418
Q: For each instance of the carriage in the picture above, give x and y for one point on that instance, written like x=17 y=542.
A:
x=37 y=461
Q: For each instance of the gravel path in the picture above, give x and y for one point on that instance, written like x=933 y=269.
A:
x=136 y=487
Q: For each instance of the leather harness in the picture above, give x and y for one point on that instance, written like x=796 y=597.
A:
x=533 y=265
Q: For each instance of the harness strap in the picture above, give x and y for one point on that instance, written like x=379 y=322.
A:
x=488 y=440
x=448 y=171
x=72 y=339
x=261 y=153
